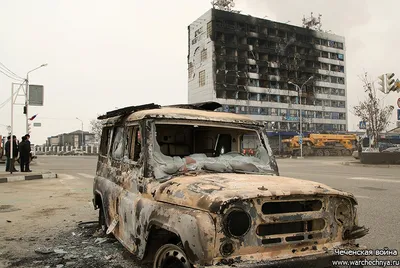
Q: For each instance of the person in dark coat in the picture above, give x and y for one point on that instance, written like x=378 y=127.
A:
x=15 y=152
x=26 y=153
x=22 y=153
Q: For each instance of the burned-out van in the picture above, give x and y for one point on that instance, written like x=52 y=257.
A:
x=175 y=186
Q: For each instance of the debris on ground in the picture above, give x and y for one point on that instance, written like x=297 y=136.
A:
x=87 y=247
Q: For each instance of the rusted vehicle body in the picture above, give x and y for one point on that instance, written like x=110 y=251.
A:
x=174 y=188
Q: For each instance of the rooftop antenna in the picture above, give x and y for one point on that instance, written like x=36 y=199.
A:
x=225 y=5
x=312 y=22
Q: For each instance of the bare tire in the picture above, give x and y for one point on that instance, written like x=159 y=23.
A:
x=327 y=153
x=102 y=220
x=171 y=256
x=319 y=153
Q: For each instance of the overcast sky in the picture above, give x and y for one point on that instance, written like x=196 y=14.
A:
x=107 y=54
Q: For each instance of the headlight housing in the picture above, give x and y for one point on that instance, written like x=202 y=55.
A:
x=237 y=222
x=344 y=213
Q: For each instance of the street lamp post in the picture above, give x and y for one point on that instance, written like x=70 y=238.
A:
x=27 y=95
x=300 y=89
x=82 y=130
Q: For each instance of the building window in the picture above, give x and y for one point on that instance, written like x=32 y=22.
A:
x=203 y=55
x=209 y=29
x=202 y=78
x=190 y=70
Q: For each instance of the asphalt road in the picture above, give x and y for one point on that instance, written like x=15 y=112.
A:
x=376 y=188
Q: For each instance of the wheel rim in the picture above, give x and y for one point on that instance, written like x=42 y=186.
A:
x=171 y=256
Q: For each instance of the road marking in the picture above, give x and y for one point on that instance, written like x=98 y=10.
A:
x=361 y=197
x=66 y=177
x=372 y=179
x=86 y=175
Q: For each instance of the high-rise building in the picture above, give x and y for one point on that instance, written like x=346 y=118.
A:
x=252 y=66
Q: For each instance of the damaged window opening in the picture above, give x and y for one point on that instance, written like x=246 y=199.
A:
x=264 y=30
x=254 y=83
x=117 y=150
x=221 y=65
x=221 y=94
x=179 y=149
x=133 y=146
x=252 y=69
x=105 y=141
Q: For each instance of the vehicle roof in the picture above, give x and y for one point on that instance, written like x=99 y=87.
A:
x=187 y=114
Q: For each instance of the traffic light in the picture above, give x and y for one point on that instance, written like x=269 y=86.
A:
x=383 y=83
x=390 y=82
x=25 y=109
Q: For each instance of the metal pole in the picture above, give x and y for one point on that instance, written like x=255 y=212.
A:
x=11 y=164
x=301 y=125
x=82 y=136
x=27 y=103
x=27 y=95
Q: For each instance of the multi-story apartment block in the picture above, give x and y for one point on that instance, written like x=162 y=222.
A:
x=250 y=66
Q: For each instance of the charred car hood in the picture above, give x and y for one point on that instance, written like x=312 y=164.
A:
x=209 y=192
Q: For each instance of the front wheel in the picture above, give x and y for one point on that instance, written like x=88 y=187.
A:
x=102 y=220
x=171 y=256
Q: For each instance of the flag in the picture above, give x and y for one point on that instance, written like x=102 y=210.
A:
x=33 y=117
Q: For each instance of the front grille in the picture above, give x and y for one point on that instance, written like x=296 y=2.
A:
x=290 y=227
x=291 y=206
x=292 y=221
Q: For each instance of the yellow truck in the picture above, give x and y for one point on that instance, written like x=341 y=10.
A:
x=321 y=145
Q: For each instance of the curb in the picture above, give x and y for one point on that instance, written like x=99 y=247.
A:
x=28 y=177
x=359 y=164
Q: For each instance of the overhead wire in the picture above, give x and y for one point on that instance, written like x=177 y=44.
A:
x=18 y=79
x=9 y=98
x=14 y=74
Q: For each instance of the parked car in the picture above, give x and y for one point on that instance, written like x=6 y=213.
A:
x=173 y=186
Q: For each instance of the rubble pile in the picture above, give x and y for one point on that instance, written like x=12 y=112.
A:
x=83 y=247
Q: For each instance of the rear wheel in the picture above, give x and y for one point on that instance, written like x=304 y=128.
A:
x=319 y=153
x=327 y=153
x=347 y=152
x=171 y=256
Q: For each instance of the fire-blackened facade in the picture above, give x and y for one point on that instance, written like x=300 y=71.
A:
x=245 y=63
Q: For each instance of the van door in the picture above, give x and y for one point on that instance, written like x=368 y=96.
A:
x=127 y=153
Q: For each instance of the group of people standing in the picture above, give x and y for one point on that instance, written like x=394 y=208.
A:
x=22 y=148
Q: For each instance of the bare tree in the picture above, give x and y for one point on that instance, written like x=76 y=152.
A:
x=96 y=127
x=371 y=111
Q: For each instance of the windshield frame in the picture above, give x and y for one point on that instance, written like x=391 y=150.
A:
x=258 y=130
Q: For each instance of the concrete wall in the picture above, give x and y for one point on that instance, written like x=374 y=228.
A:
x=58 y=149
x=199 y=41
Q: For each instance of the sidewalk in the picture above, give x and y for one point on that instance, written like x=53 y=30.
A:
x=21 y=176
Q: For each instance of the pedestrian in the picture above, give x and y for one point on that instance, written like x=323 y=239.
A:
x=27 y=153
x=22 y=153
x=15 y=153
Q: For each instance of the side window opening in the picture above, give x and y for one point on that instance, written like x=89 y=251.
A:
x=134 y=146
x=117 y=149
x=105 y=141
